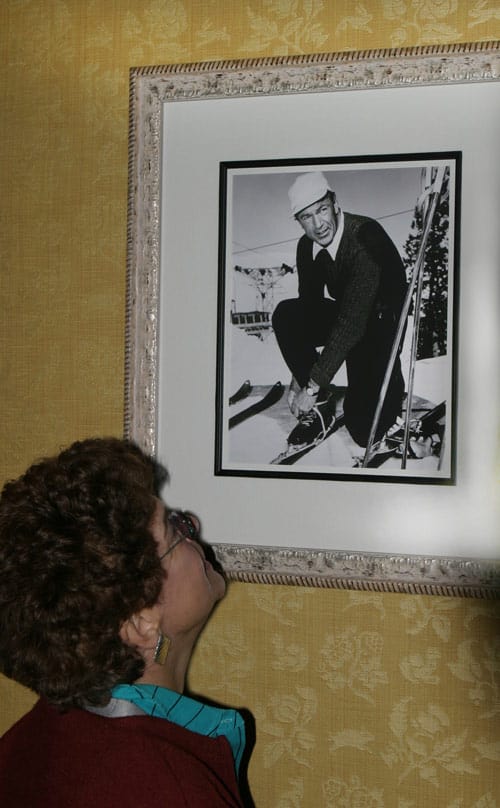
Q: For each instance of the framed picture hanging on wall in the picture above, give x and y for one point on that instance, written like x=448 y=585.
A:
x=396 y=486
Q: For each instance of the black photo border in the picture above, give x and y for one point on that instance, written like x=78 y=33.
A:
x=222 y=394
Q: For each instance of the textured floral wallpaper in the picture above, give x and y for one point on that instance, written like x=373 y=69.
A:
x=361 y=700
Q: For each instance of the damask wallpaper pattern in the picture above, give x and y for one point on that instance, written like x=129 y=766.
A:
x=361 y=700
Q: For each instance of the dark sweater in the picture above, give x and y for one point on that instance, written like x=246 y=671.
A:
x=80 y=760
x=367 y=279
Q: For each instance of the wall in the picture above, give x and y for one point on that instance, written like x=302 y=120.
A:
x=360 y=699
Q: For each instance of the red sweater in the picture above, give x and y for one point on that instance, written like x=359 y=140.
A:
x=80 y=760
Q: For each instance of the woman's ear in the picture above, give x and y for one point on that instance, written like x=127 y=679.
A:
x=141 y=629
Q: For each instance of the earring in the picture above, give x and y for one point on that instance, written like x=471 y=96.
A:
x=161 y=649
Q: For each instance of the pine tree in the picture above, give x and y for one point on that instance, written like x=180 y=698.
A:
x=432 y=337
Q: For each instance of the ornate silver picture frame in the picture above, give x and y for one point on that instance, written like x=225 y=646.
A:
x=315 y=532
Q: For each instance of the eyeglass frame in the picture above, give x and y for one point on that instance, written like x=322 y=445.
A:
x=184 y=525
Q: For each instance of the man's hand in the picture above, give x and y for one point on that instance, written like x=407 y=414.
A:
x=299 y=400
x=303 y=402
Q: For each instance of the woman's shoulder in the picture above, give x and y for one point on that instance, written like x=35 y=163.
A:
x=76 y=757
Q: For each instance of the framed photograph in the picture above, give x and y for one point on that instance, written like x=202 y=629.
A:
x=264 y=277
x=400 y=493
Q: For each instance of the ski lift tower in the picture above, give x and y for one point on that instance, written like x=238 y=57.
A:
x=264 y=280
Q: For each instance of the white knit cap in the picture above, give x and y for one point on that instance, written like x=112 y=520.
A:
x=306 y=190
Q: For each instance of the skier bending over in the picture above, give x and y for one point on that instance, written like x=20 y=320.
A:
x=353 y=258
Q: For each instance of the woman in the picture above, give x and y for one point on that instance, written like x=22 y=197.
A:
x=103 y=594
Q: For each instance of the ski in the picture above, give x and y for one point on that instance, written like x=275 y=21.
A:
x=241 y=393
x=290 y=455
x=270 y=398
x=426 y=431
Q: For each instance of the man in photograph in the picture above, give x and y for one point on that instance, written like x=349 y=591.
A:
x=353 y=260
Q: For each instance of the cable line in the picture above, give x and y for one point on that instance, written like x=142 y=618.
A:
x=289 y=240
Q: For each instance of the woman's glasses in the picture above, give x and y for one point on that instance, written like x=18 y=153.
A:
x=184 y=526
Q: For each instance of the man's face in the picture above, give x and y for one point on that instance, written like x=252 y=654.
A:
x=318 y=221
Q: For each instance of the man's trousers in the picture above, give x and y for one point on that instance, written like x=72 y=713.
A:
x=301 y=329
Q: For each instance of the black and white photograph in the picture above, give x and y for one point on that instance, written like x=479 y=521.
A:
x=337 y=326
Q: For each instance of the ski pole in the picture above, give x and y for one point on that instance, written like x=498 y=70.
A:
x=434 y=199
x=419 y=262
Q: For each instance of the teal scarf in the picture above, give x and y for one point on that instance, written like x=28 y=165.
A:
x=188 y=713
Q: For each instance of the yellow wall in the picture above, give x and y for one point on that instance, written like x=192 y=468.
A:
x=360 y=699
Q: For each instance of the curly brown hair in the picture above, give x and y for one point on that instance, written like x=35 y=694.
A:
x=77 y=560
